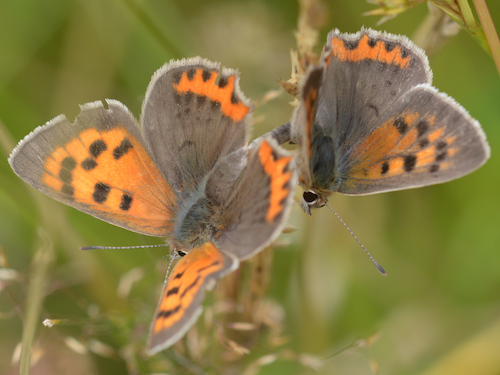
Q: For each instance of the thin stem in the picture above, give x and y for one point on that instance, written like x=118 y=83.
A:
x=42 y=263
x=467 y=15
x=489 y=30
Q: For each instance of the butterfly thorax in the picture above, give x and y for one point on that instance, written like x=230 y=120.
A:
x=323 y=160
x=323 y=171
x=193 y=226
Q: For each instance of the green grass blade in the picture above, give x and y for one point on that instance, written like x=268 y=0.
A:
x=42 y=263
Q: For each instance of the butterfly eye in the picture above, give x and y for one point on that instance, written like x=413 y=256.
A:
x=310 y=197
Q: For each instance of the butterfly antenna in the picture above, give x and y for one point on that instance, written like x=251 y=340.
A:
x=379 y=267
x=121 y=247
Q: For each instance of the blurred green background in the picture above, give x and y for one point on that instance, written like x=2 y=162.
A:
x=437 y=311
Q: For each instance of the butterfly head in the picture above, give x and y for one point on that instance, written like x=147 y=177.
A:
x=312 y=198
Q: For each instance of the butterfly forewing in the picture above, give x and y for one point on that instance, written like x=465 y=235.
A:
x=198 y=113
x=366 y=73
x=98 y=165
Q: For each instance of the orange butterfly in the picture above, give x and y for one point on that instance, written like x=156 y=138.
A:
x=185 y=172
x=369 y=121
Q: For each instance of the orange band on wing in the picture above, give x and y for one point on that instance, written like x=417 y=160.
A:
x=223 y=92
x=409 y=143
x=310 y=101
x=369 y=49
x=184 y=283
x=275 y=169
x=390 y=139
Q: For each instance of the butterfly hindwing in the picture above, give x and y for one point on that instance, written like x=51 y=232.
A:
x=197 y=112
x=183 y=293
x=260 y=203
x=98 y=165
x=426 y=138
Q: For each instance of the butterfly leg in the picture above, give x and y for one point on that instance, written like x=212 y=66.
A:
x=281 y=134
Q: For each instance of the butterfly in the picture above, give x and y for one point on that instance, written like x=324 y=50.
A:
x=369 y=121
x=184 y=172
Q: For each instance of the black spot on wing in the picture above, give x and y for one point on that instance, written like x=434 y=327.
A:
x=126 y=202
x=171 y=291
x=404 y=53
x=215 y=263
x=65 y=175
x=401 y=125
x=122 y=149
x=190 y=73
x=88 y=164
x=190 y=286
x=385 y=167
x=68 y=189
x=97 y=148
x=389 y=46
x=424 y=142
x=351 y=44
x=422 y=127
x=205 y=75
x=176 y=77
x=179 y=275
x=441 y=156
x=222 y=82
x=441 y=145
x=69 y=163
x=234 y=98
x=100 y=193
x=167 y=313
x=409 y=162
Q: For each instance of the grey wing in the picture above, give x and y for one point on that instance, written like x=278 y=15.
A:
x=193 y=115
x=427 y=138
x=366 y=73
x=258 y=208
